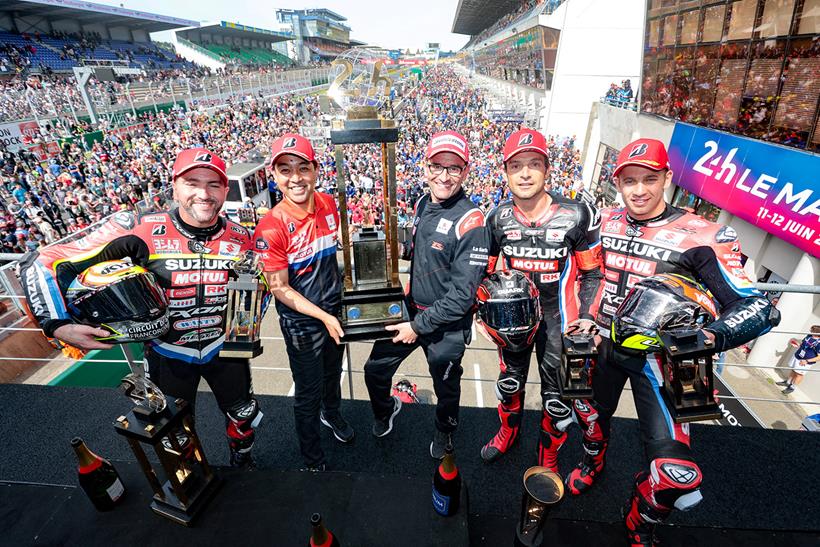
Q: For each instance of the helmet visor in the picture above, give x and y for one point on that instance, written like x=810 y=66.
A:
x=652 y=309
x=511 y=315
x=136 y=297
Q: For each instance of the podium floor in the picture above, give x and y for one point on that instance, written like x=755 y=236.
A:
x=251 y=508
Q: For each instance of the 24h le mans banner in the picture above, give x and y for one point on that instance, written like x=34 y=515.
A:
x=773 y=187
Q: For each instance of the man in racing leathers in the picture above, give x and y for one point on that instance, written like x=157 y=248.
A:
x=190 y=251
x=555 y=242
x=644 y=238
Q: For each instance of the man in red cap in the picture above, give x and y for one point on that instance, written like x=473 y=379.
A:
x=448 y=253
x=646 y=237
x=297 y=243
x=190 y=250
x=554 y=240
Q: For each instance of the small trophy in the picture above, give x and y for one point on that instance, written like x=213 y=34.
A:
x=688 y=378
x=543 y=490
x=243 y=316
x=372 y=296
x=168 y=427
x=577 y=363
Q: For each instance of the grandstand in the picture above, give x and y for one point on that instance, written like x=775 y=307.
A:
x=219 y=44
x=41 y=36
x=319 y=34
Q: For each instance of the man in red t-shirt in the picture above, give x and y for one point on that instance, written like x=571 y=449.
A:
x=297 y=244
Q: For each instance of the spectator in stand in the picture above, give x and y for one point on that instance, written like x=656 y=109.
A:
x=806 y=355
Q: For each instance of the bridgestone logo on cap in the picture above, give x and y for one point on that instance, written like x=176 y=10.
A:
x=444 y=140
x=639 y=150
x=206 y=158
x=290 y=142
x=525 y=139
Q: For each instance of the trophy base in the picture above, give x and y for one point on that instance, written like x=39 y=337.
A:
x=572 y=393
x=365 y=313
x=241 y=350
x=171 y=508
x=691 y=411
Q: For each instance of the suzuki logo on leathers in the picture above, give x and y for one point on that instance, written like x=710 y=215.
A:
x=197 y=264
x=636 y=248
x=534 y=252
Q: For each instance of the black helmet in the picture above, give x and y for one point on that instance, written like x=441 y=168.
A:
x=122 y=298
x=664 y=302
x=510 y=309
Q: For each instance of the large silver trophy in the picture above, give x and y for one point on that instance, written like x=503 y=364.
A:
x=243 y=316
x=372 y=296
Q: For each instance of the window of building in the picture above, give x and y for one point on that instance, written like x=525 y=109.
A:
x=742 y=19
x=764 y=84
x=670 y=29
x=810 y=19
x=689 y=28
x=713 y=23
x=776 y=19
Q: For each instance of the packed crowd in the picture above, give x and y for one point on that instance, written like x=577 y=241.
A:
x=524 y=7
x=43 y=201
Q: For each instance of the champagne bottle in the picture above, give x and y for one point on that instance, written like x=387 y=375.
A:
x=98 y=477
x=447 y=485
x=321 y=536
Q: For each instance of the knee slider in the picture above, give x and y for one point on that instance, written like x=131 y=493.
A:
x=507 y=388
x=557 y=415
x=243 y=418
x=675 y=482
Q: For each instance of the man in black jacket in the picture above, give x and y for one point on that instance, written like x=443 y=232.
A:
x=449 y=257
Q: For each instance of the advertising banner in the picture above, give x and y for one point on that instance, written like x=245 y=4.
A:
x=773 y=187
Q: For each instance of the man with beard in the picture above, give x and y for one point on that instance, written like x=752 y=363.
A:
x=190 y=250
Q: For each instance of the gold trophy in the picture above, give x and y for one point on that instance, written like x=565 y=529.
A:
x=246 y=305
x=543 y=490
x=688 y=377
x=169 y=429
x=372 y=295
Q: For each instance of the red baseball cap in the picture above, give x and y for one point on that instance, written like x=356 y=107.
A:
x=199 y=157
x=525 y=140
x=291 y=143
x=649 y=153
x=448 y=141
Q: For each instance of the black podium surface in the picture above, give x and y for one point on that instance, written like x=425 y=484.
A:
x=760 y=486
x=251 y=508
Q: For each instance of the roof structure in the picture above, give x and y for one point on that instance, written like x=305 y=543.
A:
x=473 y=16
x=87 y=13
x=225 y=28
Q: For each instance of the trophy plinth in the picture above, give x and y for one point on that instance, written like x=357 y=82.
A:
x=243 y=315
x=688 y=377
x=577 y=363
x=543 y=490
x=190 y=482
x=372 y=297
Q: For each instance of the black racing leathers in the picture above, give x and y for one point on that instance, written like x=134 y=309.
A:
x=561 y=253
x=449 y=258
x=674 y=242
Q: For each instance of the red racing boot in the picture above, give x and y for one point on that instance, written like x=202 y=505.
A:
x=510 y=416
x=591 y=467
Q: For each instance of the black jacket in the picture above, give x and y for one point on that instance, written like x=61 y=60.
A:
x=449 y=259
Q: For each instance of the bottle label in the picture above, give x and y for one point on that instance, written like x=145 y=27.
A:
x=115 y=490
x=441 y=503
